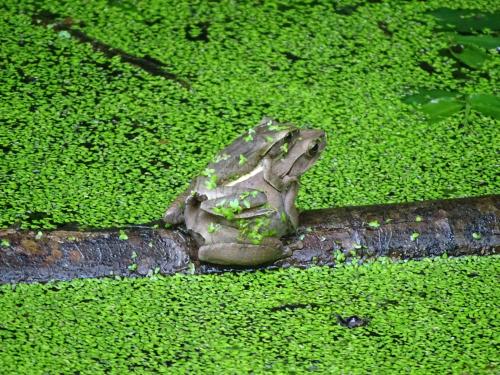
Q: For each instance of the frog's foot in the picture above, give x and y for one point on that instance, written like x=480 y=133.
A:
x=291 y=247
x=242 y=254
x=288 y=180
x=195 y=198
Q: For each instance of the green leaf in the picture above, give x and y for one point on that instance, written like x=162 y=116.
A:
x=284 y=148
x=278 y=127
x=481 y=41
x=212 y=227
x=437 y=104
x=208 y=172
x=374 y=224
x=64 y=34
x=244 y=195
x=219 y=158
x=471 y=56
x=249 y=136
x=211 y=183
x=426 y=96
x=486 y=104
x=132 y=267
x=235 y=204
x=123 y=236
x=242 y=160
x=476 y=236
x=339 y=256
x=414 y=236
x=439 y=109
x=466 y=20
x=4 y=243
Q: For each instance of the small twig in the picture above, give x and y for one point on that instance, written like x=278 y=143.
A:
x=149 y=64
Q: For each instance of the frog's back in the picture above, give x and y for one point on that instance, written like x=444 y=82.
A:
x=247 y=151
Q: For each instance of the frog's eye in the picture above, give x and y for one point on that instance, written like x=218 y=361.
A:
x=313 y=150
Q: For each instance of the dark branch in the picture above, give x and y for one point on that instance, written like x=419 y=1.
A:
x=467 y=226
x=149 y=64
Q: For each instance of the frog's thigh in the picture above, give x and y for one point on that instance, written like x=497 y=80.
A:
x=242 y=254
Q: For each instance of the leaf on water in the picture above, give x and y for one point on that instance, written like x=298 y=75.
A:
x=466 y=20
x=471 y=56
x=426 y=96
x=481 y=41
x=476 y=236
x=486 y=104
x=438 y=109
x=437 y=104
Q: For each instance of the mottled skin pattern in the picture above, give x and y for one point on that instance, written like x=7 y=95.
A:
x=245 y=200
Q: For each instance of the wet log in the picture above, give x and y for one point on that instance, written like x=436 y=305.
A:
x=466 y=226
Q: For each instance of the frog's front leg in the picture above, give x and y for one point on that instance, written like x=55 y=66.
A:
x=244 y=254
x=175 y=213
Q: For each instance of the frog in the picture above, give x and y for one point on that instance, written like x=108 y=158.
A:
x=243 y=202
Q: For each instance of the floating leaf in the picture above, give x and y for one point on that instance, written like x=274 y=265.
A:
x=242 y=160
x=426 y=96
x=481 y=41
x=476 y=236
x=466 y=20
x=439 y=109
x=122 y=235
x=132 y=267
x=339 y=256
x=212 y=227
x=471 y=56
x=486 y=104
x=64 y=34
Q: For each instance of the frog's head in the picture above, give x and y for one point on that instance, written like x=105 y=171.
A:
x=301 y=154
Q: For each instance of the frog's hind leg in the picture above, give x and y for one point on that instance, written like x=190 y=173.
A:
x=243 y=254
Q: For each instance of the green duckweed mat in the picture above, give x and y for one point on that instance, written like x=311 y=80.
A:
x=88 y=137
x=428 y=317
x=91 y=139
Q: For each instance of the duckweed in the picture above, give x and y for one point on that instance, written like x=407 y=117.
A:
x=429 y=317
x=91 y=138
x=88 y=137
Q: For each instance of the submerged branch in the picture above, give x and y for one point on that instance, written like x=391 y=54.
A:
x=467 y=226
x=147 y=63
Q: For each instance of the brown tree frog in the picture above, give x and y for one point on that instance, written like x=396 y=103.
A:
x=244 y=201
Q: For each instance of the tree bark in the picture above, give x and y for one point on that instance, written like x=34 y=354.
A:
x=466 y=226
